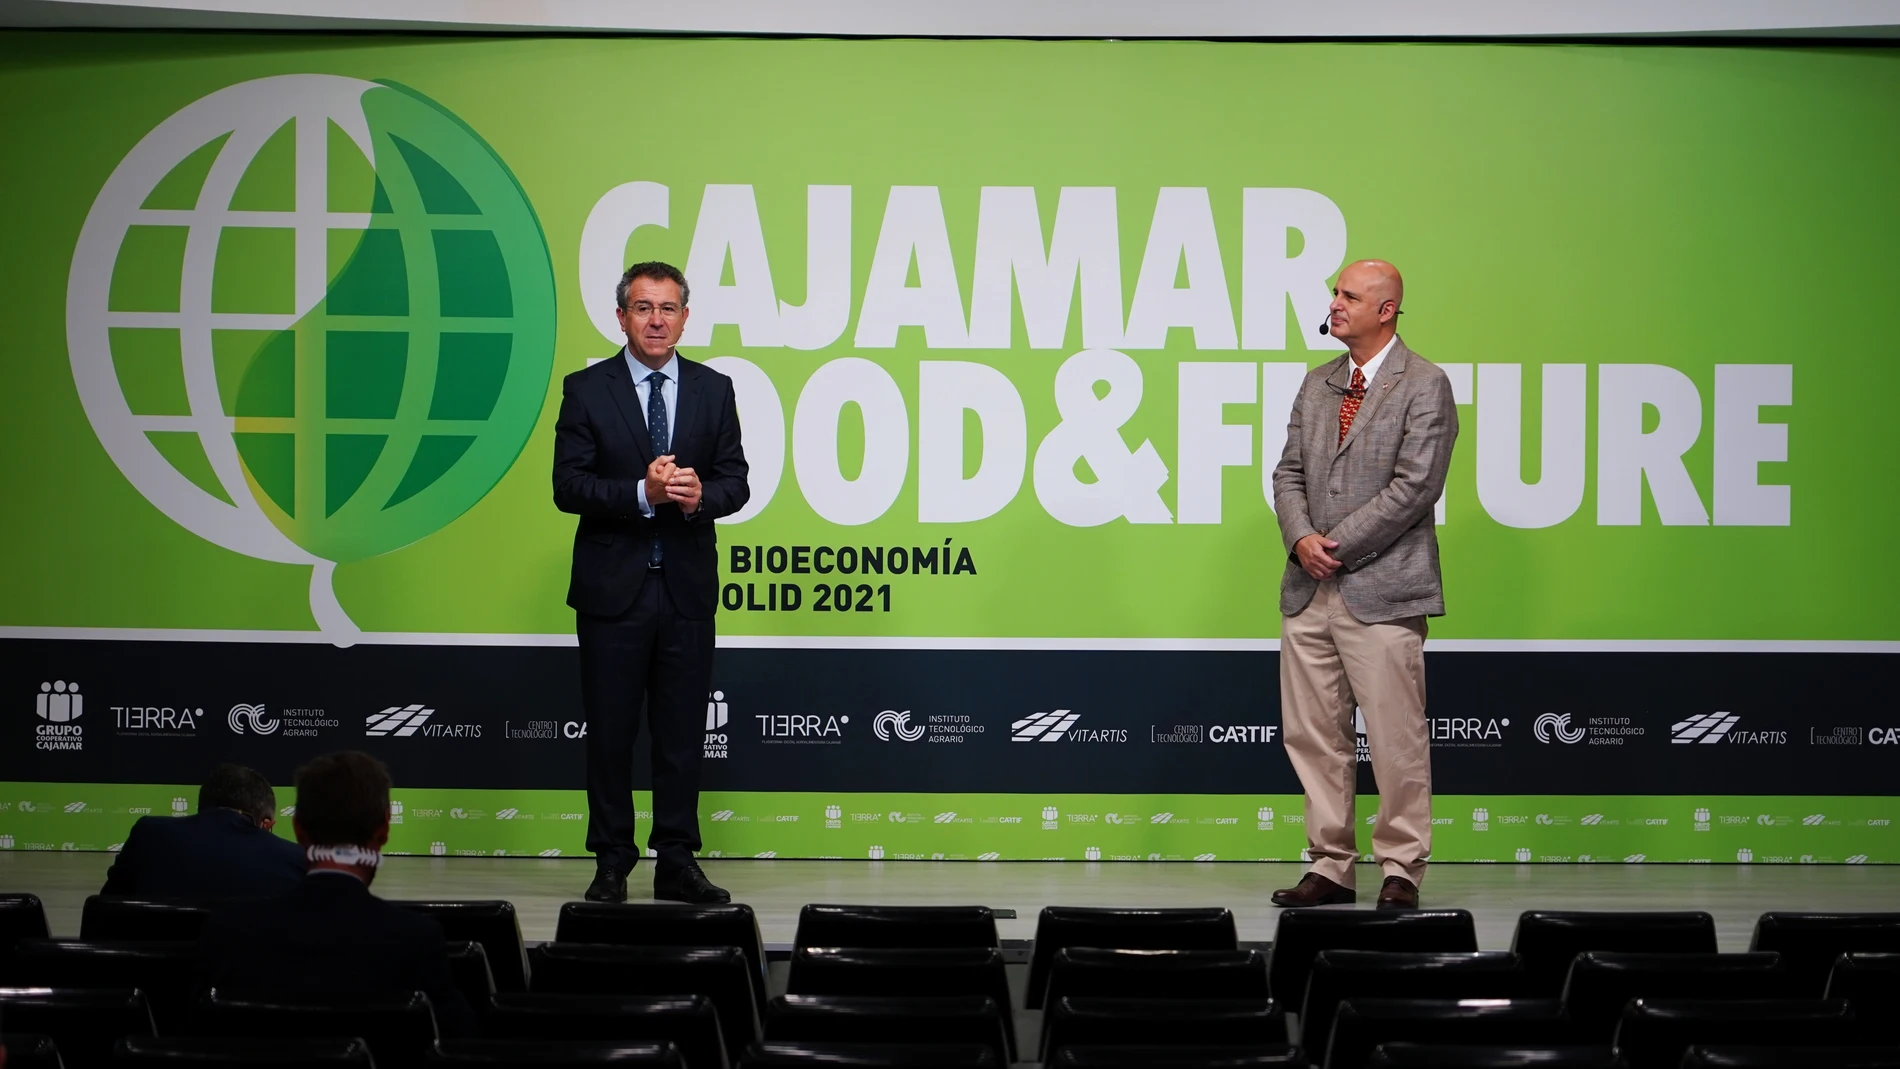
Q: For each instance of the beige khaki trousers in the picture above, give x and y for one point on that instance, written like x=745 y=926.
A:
x=1329 y=662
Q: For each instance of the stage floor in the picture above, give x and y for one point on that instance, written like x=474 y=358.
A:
x=1495 y=894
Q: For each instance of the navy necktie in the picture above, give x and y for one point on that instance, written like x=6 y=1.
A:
x=659 y=434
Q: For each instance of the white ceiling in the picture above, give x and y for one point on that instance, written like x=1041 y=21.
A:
x=1835 y=19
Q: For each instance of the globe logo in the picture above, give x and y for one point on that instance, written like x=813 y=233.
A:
x=311 y=319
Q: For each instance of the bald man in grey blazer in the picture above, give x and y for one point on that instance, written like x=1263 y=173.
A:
x=1367 y=446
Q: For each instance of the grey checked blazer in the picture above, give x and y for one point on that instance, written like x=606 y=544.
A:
x=1372 y=493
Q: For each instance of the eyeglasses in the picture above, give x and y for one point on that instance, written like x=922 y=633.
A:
x=668 y=310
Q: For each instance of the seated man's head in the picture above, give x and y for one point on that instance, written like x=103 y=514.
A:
x=342 y=814
x=244 y=790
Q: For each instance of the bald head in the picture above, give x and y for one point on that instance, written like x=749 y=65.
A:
x=1365 y=307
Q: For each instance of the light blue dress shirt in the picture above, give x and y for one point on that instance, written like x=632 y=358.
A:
x=669 y=396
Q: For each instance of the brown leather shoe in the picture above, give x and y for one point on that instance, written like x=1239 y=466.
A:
x=1314 y=890
x=1398 y=893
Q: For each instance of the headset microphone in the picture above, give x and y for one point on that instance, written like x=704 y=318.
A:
x=1322 y=326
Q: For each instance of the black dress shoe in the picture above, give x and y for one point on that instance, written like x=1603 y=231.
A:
x=1398 y=893
x=1314 y=890
x=686 y=883
x=608 y=886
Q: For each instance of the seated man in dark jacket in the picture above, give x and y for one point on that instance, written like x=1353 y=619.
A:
x=224 y=850
x=331 y=935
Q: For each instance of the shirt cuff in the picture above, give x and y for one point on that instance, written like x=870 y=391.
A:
x=640 y=490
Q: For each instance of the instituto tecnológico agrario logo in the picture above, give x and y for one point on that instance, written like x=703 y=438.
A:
x=311 y=319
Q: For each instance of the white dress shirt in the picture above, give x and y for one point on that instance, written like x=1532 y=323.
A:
x=669 y=396
x=1371 y=367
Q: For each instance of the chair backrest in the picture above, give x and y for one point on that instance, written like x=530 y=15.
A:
x=399 y=1028
x=21 y=917
x=84 y=1022
x=108 y=917
x=163 y=1051
x=1870 y=981
x=1094 y=1022
x=1094 y=972
x=555 y=1054
x=1602 y=982
x=493 y=924
x=1343 y=974
x=1810 y=942
x=468 y=966
x=1730 y=1057
x=670 y=924
x=870 y=1019
x=1547 y=940
x=1303 y=933
x=1446 y=1056
x=722 y=974
x=689 y=1021
x=896 y=926
x=1210 y=928
x=1654 y=1033
x=797 y=1055
x=1360 y=1025
x=26 y=1050
x=1268 y=1057
x=927 y=972
x=166 y=971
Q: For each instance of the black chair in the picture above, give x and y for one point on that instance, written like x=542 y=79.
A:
x=400 y=1029
x=1139 y=1022
x=84 y=1023
x=688 y=1021
x=1810 y=942
x=1303 y=933
x=1547 y=941
x=108 y=918
x=1343 y=974
x=468 y=965
x=923 y=973
x=1726 y=1057
x=21 y=917
x=1430 y=1056
x=1269 y=1057
x=777 y=1055
x=1871 y=982
x=722 y=974
x=28 y=1051
x=1123 y=929
x=963 y=1019
x=166 y=972
x=553 y=1054
x=493 y=924
x=1092 y=972
x=148 y=1053
x=1360 y=1025
x=666 y=924
x=895 y=926
x=1602 y=982
x=1655 y=1033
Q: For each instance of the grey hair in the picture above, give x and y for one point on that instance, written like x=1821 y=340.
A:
x=658 y=272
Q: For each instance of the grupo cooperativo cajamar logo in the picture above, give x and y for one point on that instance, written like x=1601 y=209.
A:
x=311 y=319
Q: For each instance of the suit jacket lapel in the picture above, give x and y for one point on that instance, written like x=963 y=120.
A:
x=627 y=400
x=1377 y=389
x=684 y=406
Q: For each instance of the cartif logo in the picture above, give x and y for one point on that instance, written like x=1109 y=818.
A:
x=1813 y=819
x=75 y=807
x=345 y=325
x=506 y=814
x=253 y=718
x=1744 y=855
x=1707 y=728
x=877 y=852
x=1161 y=818
x=1093 y=853
x=718 y=711
x=1043 y=727
x=1523 y=853
x=944 y=818
x=399 y=720
x=723 y=814
x=59 y=702
x=989 y=855
x=891 y=721
x=1557 y=724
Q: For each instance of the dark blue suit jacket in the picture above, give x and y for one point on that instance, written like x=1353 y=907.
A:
x=218 y=853
x=601 y=453
x=331 y=935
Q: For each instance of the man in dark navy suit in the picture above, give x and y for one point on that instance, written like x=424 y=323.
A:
x=331 y=935
x=224 y=850
x=647 y=454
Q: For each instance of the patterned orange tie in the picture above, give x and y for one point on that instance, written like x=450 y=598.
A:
x=1355 y=396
